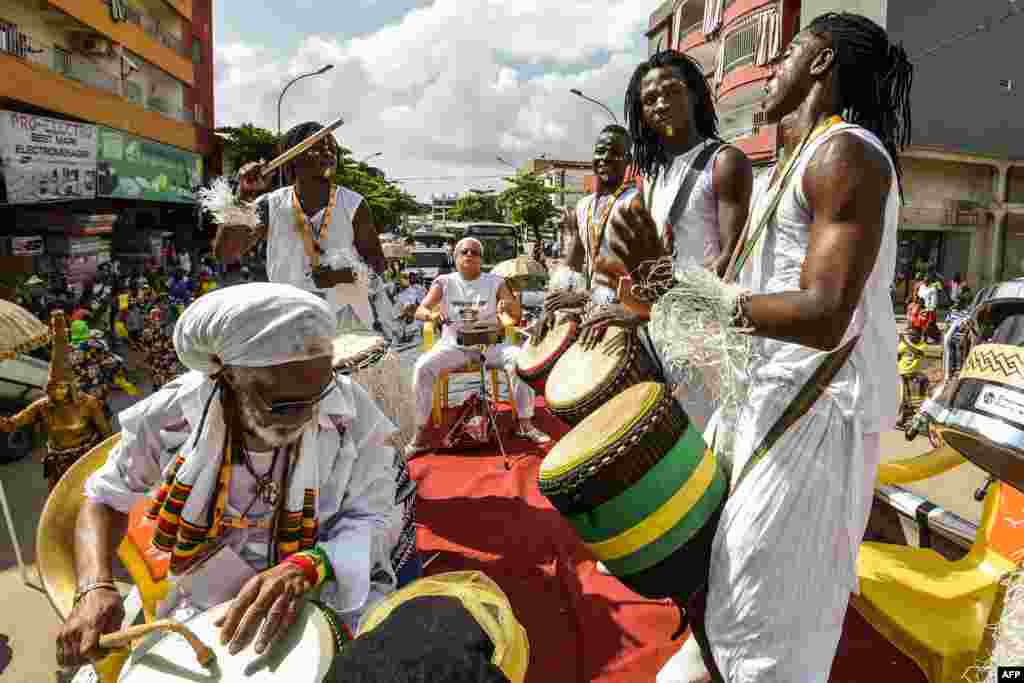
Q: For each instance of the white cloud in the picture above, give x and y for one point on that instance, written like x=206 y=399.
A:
x=452 y=85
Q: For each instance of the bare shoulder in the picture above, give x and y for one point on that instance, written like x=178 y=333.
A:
x=848 y=158
x=732 y=162
x=732 y=171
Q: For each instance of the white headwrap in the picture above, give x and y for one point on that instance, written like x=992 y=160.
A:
x=255 y=325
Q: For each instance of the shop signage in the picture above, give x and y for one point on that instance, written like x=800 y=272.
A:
x=46 y=160
x=27 y=246
x=131 y=167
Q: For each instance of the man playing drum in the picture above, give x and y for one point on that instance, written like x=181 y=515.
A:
x=784 y=557
x=312 y=220
x=696 y=189
x=276 y=479
x=586 y=225
x=493 y=304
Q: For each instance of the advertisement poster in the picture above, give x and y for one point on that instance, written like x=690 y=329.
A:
x=27 y=246
x=130 y=167
x=45 y=160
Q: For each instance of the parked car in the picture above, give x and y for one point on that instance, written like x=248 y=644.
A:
x=430 y=262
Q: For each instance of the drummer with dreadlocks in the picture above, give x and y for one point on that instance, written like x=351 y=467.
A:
x=696 y=189
x=813 y=290
x=310 y=221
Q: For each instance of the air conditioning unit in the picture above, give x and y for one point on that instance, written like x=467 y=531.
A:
x=91 y=44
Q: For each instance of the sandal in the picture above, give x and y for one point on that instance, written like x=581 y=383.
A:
x=533 y=434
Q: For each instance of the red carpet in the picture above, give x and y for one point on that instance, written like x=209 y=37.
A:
x=583 y=626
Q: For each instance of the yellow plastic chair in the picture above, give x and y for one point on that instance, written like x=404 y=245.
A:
x=440 y=395
x=55 y=543
x=935 y=611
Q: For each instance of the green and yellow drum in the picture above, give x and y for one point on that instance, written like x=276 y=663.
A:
x=642 y=489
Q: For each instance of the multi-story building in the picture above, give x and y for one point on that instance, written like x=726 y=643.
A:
x=106 y=130
x=963 y=174
x=441 y=203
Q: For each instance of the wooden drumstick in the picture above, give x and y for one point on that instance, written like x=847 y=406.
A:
x=204 y=655
x=298 y=149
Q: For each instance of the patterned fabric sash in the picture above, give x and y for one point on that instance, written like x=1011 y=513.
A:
x=295 y=529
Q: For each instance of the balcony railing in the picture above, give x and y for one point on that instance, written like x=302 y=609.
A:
x=952 y=212
x=152 y=26
x=743 y=121
x=72 y=65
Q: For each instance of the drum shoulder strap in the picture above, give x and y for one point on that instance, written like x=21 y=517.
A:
x=809 y=393
x=693 y=173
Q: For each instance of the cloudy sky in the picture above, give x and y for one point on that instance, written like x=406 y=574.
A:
x=439 y=87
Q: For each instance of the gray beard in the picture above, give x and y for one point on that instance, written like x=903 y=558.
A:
x=276 y=437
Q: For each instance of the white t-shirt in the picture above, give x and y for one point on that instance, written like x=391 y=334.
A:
x=929 y=294
x=459 y=293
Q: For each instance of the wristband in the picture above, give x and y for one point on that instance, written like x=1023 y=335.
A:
x=314 y=565
x=308 y=566
x=90 y=587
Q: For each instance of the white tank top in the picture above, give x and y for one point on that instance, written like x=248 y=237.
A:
x=866 y=386
x=287 y=261
x=601 y=291
x=695 y=234
x=458 y=293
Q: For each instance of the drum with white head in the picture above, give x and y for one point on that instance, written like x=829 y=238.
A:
x=303 y=655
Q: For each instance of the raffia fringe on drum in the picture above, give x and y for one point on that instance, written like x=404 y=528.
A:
x=693 y=325
x=384 y=381
x=57 y=462
x=1008 y=633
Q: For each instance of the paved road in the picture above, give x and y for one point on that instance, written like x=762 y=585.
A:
x=28 y=625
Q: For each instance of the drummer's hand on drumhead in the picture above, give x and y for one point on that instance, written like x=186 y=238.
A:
x=98 y=613
x=271 y=599
x=555 y=301
x=592 y=330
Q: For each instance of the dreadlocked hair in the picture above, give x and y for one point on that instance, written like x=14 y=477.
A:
x=874 y=77
x=294 y=137
x=648 y=153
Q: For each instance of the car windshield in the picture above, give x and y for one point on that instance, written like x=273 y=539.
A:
x=429 y=259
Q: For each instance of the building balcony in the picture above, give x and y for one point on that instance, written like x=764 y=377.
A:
x=736 y=9
x=51 y=78
x=143 y=33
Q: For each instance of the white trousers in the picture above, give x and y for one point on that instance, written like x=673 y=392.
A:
x=449 y=357
x=783 y=562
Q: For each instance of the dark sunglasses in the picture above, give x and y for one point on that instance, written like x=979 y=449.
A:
x=288 y=408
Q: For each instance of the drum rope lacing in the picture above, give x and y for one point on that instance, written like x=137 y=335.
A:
x=568 y=483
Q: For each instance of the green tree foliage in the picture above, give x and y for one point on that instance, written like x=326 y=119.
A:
x=530 y=202
x=387 y=200
x=476 y=206
x=247 y=143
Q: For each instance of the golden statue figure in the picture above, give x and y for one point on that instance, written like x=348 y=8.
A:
x=75 y=421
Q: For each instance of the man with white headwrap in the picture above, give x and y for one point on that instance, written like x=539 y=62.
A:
x=272 y=471
x=493 y=303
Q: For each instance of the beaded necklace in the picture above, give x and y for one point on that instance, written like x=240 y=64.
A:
x=596 y=232
x=310 y=240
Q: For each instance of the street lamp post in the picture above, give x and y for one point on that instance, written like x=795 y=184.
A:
x=322 y=70
x=579 y=93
